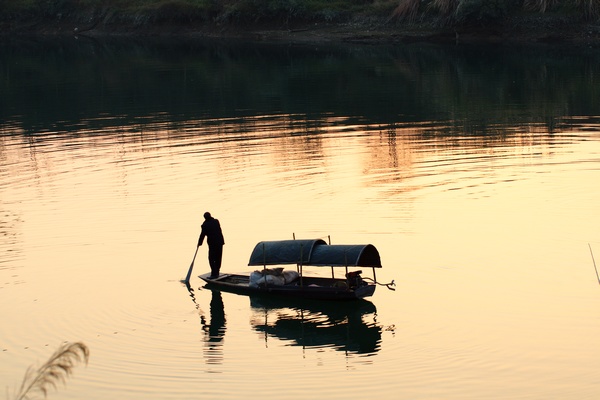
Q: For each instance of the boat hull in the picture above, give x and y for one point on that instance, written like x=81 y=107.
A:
x=307 y=288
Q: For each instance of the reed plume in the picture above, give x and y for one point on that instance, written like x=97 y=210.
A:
x=56 y=370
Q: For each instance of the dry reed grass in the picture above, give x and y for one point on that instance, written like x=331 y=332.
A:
x=54 y=371
x=589 y=8
x=445 y=6
x=410 y=9
x=540 y=5
x=406 y=10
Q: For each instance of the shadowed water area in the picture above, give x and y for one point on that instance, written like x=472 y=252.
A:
x=474 y=171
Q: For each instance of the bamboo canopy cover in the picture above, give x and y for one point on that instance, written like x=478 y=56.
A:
x=314 y=252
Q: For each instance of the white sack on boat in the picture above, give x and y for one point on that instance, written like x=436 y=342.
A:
x=290 y=276
x=272 y=277
x=277 y=280
x=254 y=278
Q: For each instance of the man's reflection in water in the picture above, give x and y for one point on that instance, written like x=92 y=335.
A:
x=215 y=329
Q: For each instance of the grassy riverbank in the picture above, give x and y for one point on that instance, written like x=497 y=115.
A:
x=301 y=20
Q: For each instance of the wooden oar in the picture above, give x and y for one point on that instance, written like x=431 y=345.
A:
x=187 y=278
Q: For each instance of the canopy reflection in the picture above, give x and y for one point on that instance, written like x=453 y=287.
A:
x=350 y=326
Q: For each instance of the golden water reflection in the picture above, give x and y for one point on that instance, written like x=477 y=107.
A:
x=285 y=151
x=479 y=230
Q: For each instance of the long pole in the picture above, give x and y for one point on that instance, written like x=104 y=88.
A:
x=187 y=278
x=592 y=253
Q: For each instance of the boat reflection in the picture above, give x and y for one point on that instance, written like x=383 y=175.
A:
x=345 y=326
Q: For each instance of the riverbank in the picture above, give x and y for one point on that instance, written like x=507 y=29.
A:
x=534 y=28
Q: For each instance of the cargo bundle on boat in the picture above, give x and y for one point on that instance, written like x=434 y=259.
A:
x=273 y=278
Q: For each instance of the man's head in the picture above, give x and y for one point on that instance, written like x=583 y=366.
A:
x=207 y=215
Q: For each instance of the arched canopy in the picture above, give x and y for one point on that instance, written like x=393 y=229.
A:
x=340 y=255
x=314 y=252
x=283 y=252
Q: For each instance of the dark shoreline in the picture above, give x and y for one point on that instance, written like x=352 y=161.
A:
x=532 y=29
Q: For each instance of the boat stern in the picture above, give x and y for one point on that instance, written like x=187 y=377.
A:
x=365 y=291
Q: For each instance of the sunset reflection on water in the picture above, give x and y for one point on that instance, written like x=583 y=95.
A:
x=482 y=220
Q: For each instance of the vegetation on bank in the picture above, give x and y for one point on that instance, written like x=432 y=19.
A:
x=473 y=11
x=140 y=13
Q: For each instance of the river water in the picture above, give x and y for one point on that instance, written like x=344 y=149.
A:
x=474 y=171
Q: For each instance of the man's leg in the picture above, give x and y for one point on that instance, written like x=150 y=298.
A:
x=218 y=253
x=215 y=255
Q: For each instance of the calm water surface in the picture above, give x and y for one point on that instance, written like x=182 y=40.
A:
x=474 y=171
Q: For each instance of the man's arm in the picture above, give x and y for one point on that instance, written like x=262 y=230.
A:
x=201 y=239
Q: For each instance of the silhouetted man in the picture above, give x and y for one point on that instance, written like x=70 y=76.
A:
x=212 y=230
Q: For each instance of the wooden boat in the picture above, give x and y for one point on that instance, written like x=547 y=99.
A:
x=294 y=283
